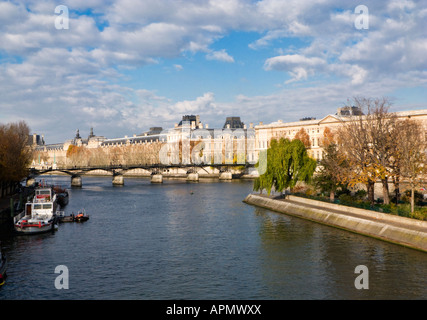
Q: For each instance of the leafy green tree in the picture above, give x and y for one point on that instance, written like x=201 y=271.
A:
x=287 y=163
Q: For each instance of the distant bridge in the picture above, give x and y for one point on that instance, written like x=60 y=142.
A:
x=156 y=170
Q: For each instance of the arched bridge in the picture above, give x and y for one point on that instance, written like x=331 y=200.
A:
x=155 y=170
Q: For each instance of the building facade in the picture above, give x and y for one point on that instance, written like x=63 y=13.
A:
x=188 y=142
x=315 y=128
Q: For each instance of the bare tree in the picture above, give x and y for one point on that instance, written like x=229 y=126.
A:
x=412 y=144
x=381 y=126
x=369 y=141
x=354 y=141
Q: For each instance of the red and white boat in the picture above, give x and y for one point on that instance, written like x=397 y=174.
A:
x=40 y=215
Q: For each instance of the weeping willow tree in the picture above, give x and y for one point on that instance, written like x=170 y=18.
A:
x=287 y=163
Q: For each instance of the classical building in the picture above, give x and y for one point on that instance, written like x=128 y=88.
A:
x=35 y=140
x=234 y=143
x=315 y=127
x=189 y=141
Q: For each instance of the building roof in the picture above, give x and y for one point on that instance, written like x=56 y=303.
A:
x=136 y=139
x=234 y=123
x=333 y=117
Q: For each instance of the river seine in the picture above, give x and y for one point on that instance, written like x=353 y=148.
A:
x=180 y=240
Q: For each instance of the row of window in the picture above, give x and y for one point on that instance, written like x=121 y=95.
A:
x=263 y=144
x=38 y=206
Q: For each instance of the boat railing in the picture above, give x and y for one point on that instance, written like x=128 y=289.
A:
x=18 y=216
x=60 y=214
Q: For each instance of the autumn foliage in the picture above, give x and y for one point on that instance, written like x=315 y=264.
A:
x=376 y=147
x=303 y=136
x=15 y=154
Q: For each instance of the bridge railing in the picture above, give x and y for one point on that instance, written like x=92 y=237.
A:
x=134 y=166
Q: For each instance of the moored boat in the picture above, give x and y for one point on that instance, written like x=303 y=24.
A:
x=81 y=216
x=40 y=215
x=61 y=195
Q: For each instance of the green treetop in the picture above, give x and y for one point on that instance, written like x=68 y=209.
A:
x=287 y=163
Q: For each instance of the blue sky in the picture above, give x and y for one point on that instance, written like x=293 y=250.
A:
x=123 y=66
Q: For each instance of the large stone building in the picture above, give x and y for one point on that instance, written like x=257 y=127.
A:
x=315 y=128
x=189 y=141
x=234 y=143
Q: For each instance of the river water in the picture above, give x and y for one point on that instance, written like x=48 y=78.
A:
x=180 y=240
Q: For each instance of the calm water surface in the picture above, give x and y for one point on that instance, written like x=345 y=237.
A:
x=180 y=240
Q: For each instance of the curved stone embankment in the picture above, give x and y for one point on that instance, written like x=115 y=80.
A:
x=400 y=230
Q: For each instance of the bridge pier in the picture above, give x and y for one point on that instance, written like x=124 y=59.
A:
x=225 y=176
x=193 y=177
x=76 y=181
x=157 y=178
x=118 y=180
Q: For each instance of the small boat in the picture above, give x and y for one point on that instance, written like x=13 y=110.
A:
x=3 y=267
x=40 y=215
x=81 y=216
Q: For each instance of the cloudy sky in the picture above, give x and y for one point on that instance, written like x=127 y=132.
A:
x=122 y=66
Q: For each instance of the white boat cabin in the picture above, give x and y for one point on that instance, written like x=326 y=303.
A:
x=43 y=205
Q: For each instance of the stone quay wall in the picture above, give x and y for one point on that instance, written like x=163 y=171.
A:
x=399 y=230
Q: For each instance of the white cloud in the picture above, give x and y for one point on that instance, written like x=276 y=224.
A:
x=100 y=112
x=203 y=104
x=76 y=73
x=400 y=5
x=220 y=55
x=298 y=66
x=286 y=62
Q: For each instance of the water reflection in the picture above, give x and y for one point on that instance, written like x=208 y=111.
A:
x=180 y=240
x=319 y=262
